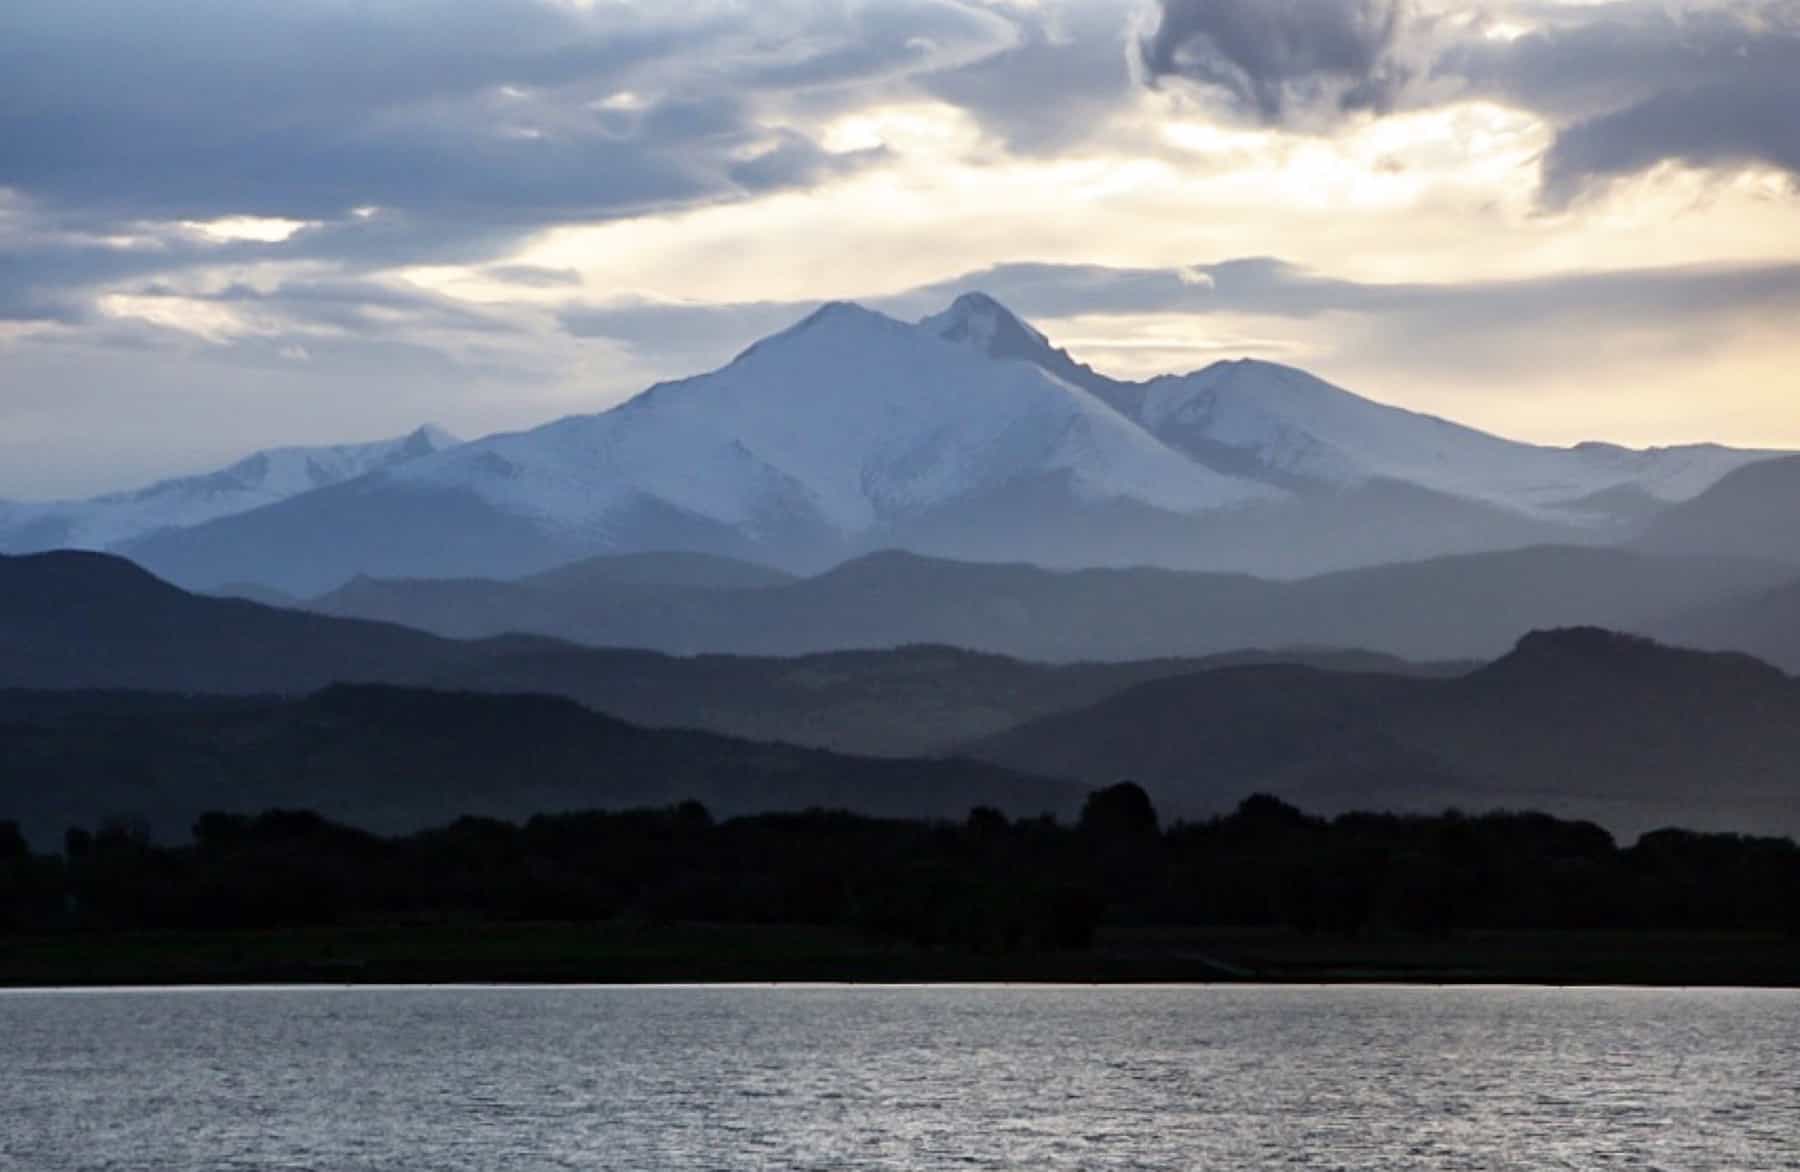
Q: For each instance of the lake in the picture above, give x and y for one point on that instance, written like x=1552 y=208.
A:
x=796 y=1077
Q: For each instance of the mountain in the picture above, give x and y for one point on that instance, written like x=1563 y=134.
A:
x=900 y=702
x=841 y=431
x=394 y=760
x=1750 y=513
x=1465 y=607
x=704 y=571
x=1282 y=426
x=1579 y=723
x=93 y=621
x=967 y=435
x=1764 y=623
x=252 y=592
x=261 y=479
x=90 y=620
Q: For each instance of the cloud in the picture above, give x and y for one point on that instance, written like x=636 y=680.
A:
x=681 y=337
x=503 y=116
x=1462 y=311
x=1462 y=323
x=1711 y=126
x=534 y=276
x=1627 y=85
x=793 y=160
x=411 y=132
x=500 y=202
x=302 y=110
x=380 y=356
x=1282 y=62
x=1633 y=85
x=363 y=307
x=1054 y=86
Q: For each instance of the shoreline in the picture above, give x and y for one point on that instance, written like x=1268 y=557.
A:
x=835 y=986
x=544 y=955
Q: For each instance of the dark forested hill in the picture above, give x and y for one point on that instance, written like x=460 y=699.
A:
x=86 y=620
x=397 y=759
x=1579 y=722
x=916 y=699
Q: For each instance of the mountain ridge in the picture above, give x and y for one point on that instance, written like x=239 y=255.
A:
x=967 y=434
x=263 y=477
x=77 y=758
x=1578 y=722
x=1460 y=607
x=90 y=621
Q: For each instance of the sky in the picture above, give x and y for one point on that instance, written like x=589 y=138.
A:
x=225 y=226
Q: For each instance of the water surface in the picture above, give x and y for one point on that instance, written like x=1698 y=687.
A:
x=899 y=1078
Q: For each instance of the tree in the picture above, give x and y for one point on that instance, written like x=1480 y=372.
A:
x=12 y=843
x=1123 y=810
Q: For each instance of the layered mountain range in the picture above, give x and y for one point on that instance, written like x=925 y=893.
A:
x=932 y=541
x=1468 y=606
x=966 y=435
x=1580 y=722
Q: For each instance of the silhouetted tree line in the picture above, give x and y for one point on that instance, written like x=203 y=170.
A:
x=987 y=884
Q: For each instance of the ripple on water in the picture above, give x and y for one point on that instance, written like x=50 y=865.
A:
x=899 y=1078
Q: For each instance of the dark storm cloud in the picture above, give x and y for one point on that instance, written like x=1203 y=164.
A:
x=306 y=110
x=1285 y=61
x=207 y=108
x=1708 y=126
x=405 y=132
x=51 y=279
x=1638 y=85
x=1627 y=85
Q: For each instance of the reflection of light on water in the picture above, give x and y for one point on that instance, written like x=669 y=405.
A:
x=917 y=1077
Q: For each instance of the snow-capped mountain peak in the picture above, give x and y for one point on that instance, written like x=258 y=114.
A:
x=966 y=433
x=278 y=473
x=979 y=321
x=845 y=423
x=983 y=324
x=850 y=421
x=1299 y=429
x=428 y=438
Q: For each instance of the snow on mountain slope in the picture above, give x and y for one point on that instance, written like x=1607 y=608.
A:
x=1284 y=426
x=1301 y=426
x=1671 y=474
x=849 y=420
x=260 y=479
x=965 y=435
x=980 y=323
